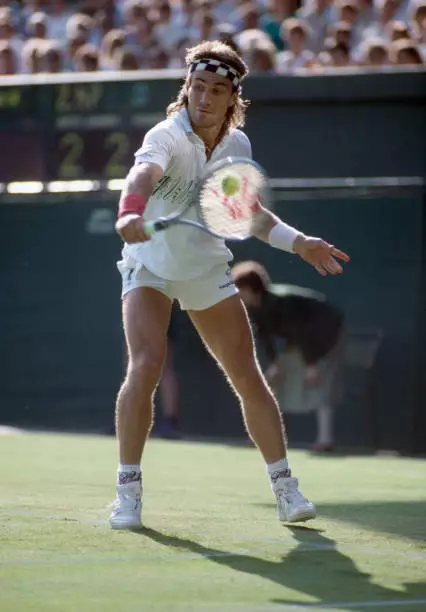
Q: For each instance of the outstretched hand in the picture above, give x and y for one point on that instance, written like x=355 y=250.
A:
x=321 y=255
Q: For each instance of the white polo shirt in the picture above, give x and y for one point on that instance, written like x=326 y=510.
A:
x=181 y=252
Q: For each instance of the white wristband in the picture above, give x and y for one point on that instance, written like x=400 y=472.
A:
x=282 y=236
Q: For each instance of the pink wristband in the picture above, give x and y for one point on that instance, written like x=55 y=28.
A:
x=131 y=203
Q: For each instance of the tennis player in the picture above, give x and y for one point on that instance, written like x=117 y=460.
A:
x=187 y=264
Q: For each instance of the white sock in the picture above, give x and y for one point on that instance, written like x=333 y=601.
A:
x=278 y=471
x=128 y=473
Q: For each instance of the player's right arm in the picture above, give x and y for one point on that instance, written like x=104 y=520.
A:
x=139 y=185
x=152 y=160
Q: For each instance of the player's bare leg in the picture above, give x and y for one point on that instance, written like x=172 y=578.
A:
x=146 y=315
x=226 y=331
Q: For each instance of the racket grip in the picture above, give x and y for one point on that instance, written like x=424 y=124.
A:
x=151 y=227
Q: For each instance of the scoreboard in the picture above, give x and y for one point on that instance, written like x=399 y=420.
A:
x=89 y=128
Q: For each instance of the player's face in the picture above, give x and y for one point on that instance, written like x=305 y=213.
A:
x=209 y=97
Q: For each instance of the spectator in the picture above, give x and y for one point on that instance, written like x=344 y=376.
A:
x=59 y=13
x=387 y=11
x=8 y=34
x=405 y=53
x=270 y=22
x=262 y=58
x=396 y=30
x=133 y=12
x=8 y=61
x=347 y=11
x=295 y=33
x=226 y=33
x=159 y=31
x=368 y=14
x=374 y=52
x=80 y=26
x=21 y=15
x=204 y=27
x=338 y=54
x=164 y=30
x=37 y=25
x=52 y=58
x=31 y=56
x=224 y=10
x=156 y=58
x=142 y=39
x=87 y=59
x=250 y=17
x=249 y=39
x=14 y=9
x=103 y=22
x=419 y=14
x=341 y=31
x=111 y=43
x=178 y=58
x=125 y=59
x=70 y=52
x=403 y=10
x=318 y=15
x=185 y=14
x=421 y=36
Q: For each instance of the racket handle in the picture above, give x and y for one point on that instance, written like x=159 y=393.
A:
x=151 y=227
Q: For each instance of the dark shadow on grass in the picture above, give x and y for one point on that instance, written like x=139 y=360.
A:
x=325 y=574
x=406 y=519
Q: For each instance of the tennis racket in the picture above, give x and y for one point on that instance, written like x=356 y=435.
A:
x=226 y=201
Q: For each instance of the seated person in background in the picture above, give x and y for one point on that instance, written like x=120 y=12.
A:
x=87 y=59
x=51 y=58
x=261 y=58
x=8 y=61
x=374 y=52
x=37 y=25
x=32 y=53
x=405 y=52
x=336 y=54
x=125 y=59
x=111 y=43
x=295 y=33
x=304 y=374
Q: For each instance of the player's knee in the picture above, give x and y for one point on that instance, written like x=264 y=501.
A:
x=145 y=368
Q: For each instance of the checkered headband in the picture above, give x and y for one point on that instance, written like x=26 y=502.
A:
x=212 y=65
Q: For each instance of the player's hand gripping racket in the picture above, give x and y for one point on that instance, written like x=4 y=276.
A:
x=226 y=200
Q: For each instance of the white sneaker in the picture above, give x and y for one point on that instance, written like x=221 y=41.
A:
x=126 y=513
x=292 y=506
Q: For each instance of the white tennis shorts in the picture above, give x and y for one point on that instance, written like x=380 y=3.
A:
x=195 y=294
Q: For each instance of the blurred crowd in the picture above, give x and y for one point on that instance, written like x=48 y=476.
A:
x=274 y=36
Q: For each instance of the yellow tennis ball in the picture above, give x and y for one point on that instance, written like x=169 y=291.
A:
x=230 y=185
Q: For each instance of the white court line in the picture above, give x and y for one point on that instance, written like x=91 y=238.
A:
x=332 y=606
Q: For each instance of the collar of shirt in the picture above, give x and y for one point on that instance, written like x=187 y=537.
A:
x=186 y=124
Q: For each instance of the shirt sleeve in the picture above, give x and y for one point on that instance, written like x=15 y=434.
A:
x=157 y=148
x=244 y=145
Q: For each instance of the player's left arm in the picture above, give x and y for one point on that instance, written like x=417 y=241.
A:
x=274 y=231
x=320 y=254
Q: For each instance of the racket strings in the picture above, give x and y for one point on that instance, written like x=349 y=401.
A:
x=232 y=216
